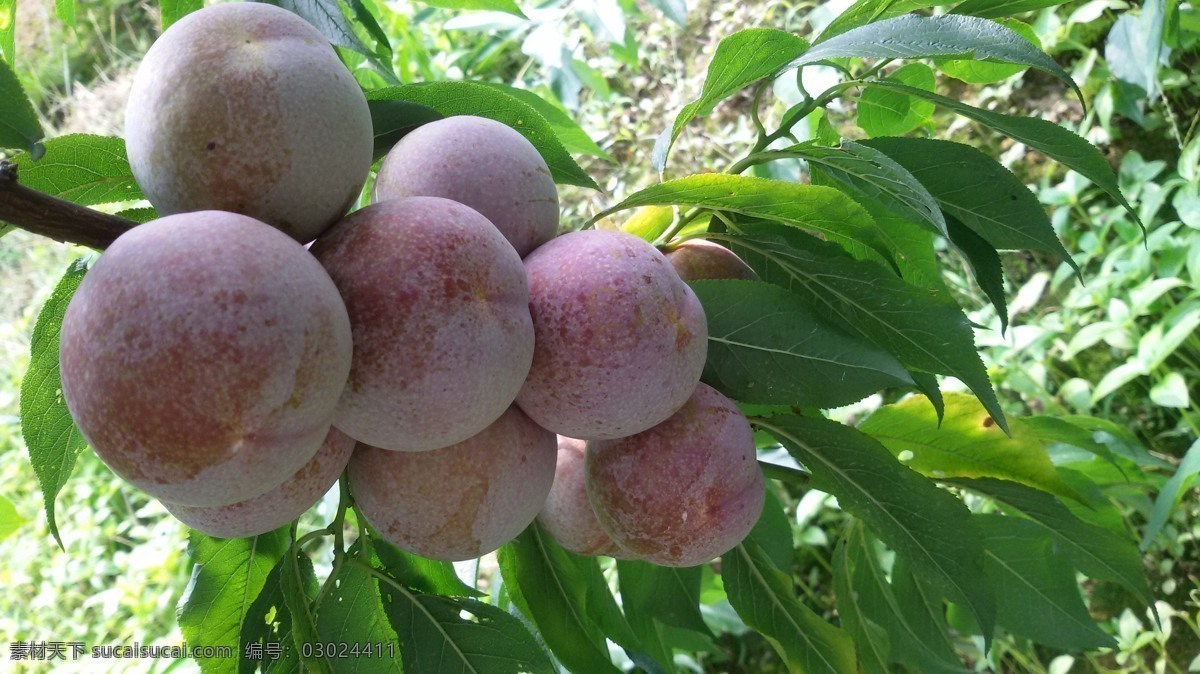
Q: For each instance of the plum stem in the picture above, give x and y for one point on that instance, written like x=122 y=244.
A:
x=55 y=218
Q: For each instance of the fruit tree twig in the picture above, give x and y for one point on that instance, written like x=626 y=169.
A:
x=55 y=218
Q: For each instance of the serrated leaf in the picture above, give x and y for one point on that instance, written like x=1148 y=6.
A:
x=994 y=9
x=766 y=346
x=352 y=613
x=868 y=11
x=978 y=191
x=982 y=72
x=985 y=265
x=19 y=125
x=825 y=210
x=913 y=36
x=923 y=330
x=926 y=525
x=418 y=573
x=569 y=133
x=669 y=595
x=924 y=614
x=1052 y=140
x=1055 y=429
x=10 y=520
x=882 y=112
x=763 y=596
x=506 y=6
x=872 y=642
x=65 y=9
x=1094 y=550
x=741 y=59
x=87 y=170
x=50 y=434
x=1037 y=597
x=1172 y=493
x=280 y=618
x=967 y=443
x=470 y=98
x=550 y=590
x=139 y=215
x=174 y=10
x=227 y=576
x=326 y=16
x=393 y=120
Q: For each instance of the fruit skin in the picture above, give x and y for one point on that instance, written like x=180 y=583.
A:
x=244 y=107
x=683 y=492
x=621 y=340
x=698 y=259
x=481 y=163
x=279 y=506
x=567 y=514
x=461 y=501
x=203 y=355
x=439 y=307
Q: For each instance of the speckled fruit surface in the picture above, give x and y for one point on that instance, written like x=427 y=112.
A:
x=279 y=506
x=698 y=259
x=481 y=163
x=439 y=306
x=203 y=355
x=461 y=501
x=245 y=107
x=683 y=492
x=621 y=340
x=567 y=514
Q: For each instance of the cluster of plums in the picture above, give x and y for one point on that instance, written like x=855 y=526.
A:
x=435 y=342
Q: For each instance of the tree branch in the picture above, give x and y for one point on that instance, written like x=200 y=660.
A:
x=55 y=218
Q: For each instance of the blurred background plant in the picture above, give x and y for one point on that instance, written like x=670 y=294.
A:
x=1123 y=345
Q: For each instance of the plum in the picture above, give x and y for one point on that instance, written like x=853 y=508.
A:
x=698 y=259
x=462 y=501
x=482 y=163
x=438 y=302
x=245 y=107
x=279 y=506
x=567 y=514
x=203 y=356
x=683 y=492
x=621 y=340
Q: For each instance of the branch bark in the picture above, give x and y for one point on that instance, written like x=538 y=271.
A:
x=55 y=218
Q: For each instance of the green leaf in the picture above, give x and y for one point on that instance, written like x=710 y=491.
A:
x=982 y=72
x=978 y=191
x=763 y=597
x=508 y=6
x=139 y=215
x=50 y=435
x=669 y=595
x=8 y=30
x=871 y=640
x=1057 y=430
x=924 y=524
x=966 y=443
x=10 y=520
x=675 y=10
x=834 y=215
x=174 y=10
x=913 y=36
x=1134 y=45
x=773 y=531
x=227 y=576
x=994 y=9
x=1052 y=140
x=281 y=615
x=19 y=125
x=742 y=58
x=985 y=265
x=352 y=613
x=65 y=9
x=1096 y=551
x=1171 y=494
x=471 y=98
x=1037 y=597
x=882 y=112
x=873 y=175
x=569 y=133
x=766 y=346
x=393 y=120
x=326 y=16
x=87 y=170
x=418 y=573
x=924 y=331
x=924 y=614
x=551 y=591
x=869 y=11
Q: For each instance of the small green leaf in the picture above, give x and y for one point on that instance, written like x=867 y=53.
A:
x=926 y=525
x=351 y=614
x=763 y=596
x=174 y=10
x=825 y=210
x=742 y=58
x=871 y=640
x=227 y=576
x=418 y=573
x=551 y=591
x=966 y=443
x=507 y=6
x=994 y=9
x=8 y=30
x=19 y=125
x=87 y=170
x=65 y=9
x=10 y=520
x=1037 y=597
x=471 y=98
x=569 y=133
x=924 y=331
x=766 y=346
x=985 y=265
x=978 y=191
x=50 y=435
x=1172 y=493
x=869 y=11
x=882 y=112
x=912 y=36
x=670 y=595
